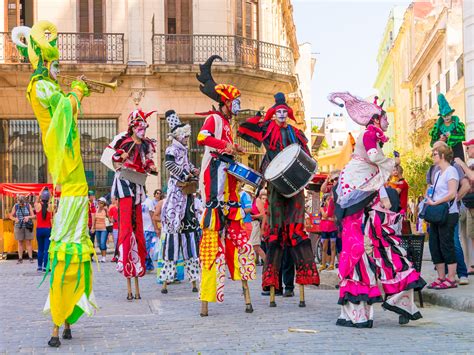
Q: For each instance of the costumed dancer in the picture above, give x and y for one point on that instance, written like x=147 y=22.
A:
x=374 y=252
x=133 y=153
x=448 y=128
x=286 y=215
x=179 y=222
x=224 y=239
x=70 y=292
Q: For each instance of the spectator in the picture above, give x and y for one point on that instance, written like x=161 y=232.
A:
x=258 y=213
x=247 y=195
x=441 y=240
x=43 y=210
x=328 y=231
x=92 y=210
x=463 y=188
x=150 y=229
x=99 y=227
x=113 y=215
x=467 y=209
x=399 y=183
x=22 y=214
x=158 y=196
x=419 y=222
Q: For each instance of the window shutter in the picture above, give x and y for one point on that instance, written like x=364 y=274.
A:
x=98 y=17
x=83 y=15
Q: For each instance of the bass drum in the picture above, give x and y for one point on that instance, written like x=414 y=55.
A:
x=291 y=170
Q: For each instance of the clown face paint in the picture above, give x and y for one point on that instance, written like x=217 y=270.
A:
x=447 y=119
x=54 y=70
x=384 y=123
x=184 y=140
x=140 y=128
x=235 y=107
x=281 y=115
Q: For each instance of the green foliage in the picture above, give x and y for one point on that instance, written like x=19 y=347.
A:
x=415 y=166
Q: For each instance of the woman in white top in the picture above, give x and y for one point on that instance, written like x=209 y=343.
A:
x=441 y=240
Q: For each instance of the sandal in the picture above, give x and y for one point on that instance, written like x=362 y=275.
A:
x=435 y=283
x=447 y=283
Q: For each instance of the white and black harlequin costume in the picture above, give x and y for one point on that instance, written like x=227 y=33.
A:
x=180 y=225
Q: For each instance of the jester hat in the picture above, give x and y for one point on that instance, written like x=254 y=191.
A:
x=218 y=92
x=443 y=106
x=359 y=110
x=280 y=103
x=138 y=115
x=41 y=42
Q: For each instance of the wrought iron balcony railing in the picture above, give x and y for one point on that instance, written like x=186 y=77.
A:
x=234 y=50
x=107 y=48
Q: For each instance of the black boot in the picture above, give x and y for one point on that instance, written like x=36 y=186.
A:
x=67 y=333
x=54 y=342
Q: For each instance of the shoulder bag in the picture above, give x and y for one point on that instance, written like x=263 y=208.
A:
x=437 y=214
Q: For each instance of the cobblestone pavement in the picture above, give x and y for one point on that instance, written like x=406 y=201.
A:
x=171 y=323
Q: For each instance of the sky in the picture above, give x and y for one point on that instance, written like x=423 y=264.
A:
x=345 y=36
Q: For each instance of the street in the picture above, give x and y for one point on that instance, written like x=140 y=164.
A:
x=171 y=323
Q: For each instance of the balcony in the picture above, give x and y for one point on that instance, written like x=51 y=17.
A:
x=106 y=48
x=234 y=50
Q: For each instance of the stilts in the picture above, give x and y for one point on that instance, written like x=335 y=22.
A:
x=164 y=288
x=195 y=289
x=204 y=309
x=54 y=341
x=137 y=290
x=272 y=297
x=248 y=302
x=129 y=289
x=302 y=301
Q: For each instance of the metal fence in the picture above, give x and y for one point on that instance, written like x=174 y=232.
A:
x=234 y=50
x=23 y=161
x=107 y=48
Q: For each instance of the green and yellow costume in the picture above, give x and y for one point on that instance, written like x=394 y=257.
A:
x=70 y=293
x=455 y=131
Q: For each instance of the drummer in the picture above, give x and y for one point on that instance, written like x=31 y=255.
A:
x=224 y=241
x=286 y=215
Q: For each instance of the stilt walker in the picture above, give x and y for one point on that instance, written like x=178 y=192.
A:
x=180 y=226
x=286 y=215
x=133 y=153
x=373 y=253
x=70 y=292
x=224 y=241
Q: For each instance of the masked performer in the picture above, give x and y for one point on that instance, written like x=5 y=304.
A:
x=70 y=293
x=286 y=215
x=180 y=225
x=133 y=153
x=448 y=128
x=224 y=239
x=374 y=252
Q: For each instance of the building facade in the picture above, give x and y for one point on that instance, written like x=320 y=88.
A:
x=468 y=30
x=426 y=59
x=153 y=49
x=384 y=83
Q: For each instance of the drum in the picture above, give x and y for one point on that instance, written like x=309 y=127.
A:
x=291 y=170
x=245 y=174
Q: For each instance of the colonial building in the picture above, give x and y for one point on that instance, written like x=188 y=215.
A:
x=468 y=34
x=153 y=49
x=426 y=59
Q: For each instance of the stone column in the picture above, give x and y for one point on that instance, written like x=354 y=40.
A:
x=468 y=24
x=136 y=33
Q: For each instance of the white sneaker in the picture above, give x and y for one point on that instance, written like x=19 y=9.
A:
x=463 y=281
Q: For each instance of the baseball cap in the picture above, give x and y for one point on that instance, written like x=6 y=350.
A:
x=469 y=142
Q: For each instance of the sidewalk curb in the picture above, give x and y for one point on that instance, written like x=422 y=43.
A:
x=443 y=299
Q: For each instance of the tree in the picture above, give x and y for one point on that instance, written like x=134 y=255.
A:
x=415 y=166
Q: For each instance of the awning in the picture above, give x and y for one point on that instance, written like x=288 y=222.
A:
x=24 y=189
